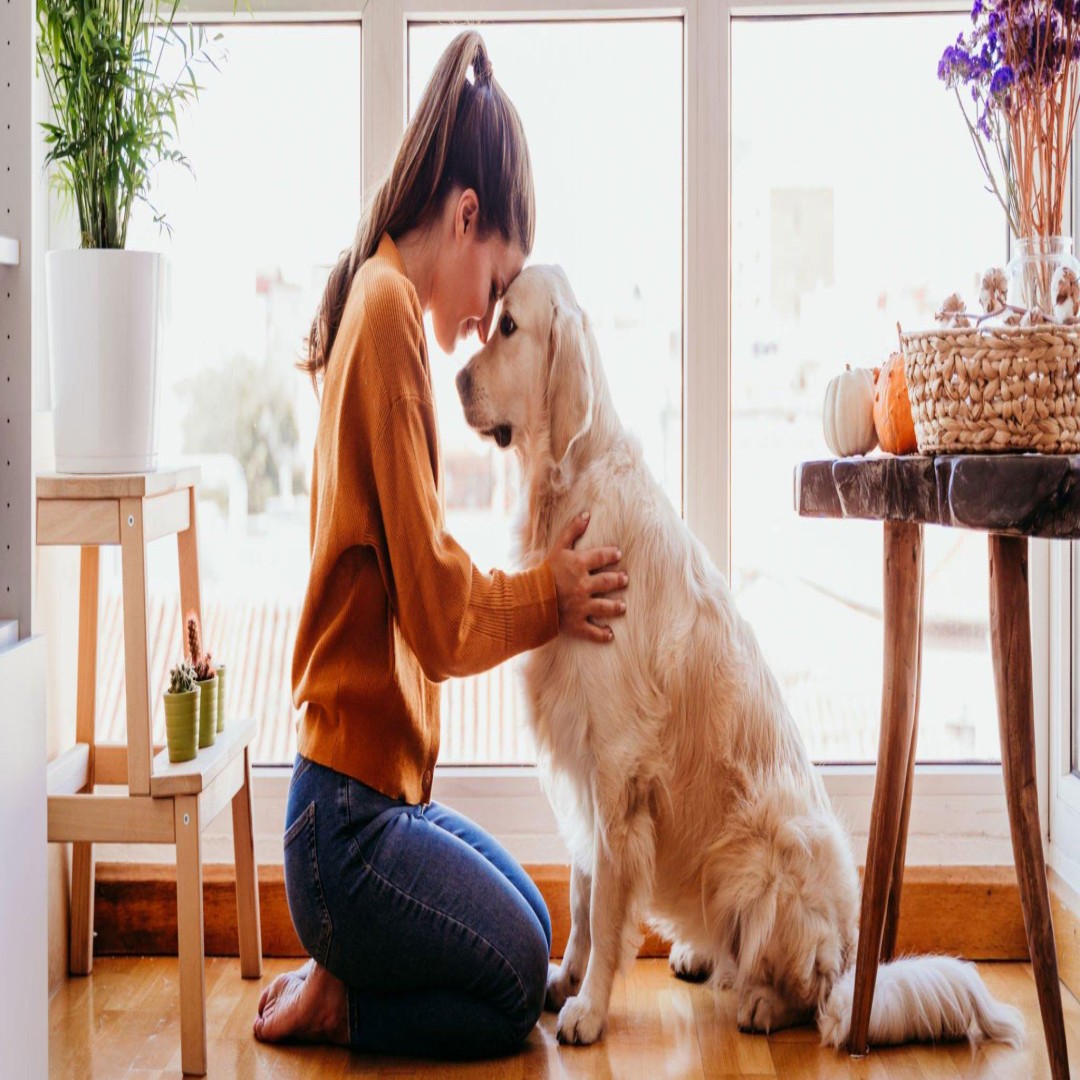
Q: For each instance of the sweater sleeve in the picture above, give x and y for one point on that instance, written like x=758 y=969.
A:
x=457 y=620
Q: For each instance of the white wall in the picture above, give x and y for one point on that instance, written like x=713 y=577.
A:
x=24 y=1010
x=24 y=997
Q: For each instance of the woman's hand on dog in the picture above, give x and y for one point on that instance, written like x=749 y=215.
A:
x=582 y=580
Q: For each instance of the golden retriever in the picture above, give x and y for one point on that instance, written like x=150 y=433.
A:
x=683 y=787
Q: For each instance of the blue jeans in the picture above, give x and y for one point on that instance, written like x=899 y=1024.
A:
x=439 y=935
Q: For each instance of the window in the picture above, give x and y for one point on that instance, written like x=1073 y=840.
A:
x=606 y=149
x=840 y=228
x=620 y=195
x=274 y=141
x=1073 y=755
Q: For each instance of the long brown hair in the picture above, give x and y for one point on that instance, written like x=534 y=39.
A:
x=465 y=134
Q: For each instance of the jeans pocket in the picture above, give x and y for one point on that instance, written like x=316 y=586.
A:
x=303 y=886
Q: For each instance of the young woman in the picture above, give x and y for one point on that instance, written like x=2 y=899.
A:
x=425 y=936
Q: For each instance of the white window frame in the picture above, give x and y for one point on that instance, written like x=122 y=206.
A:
x=1062 y=814
x=958 y=812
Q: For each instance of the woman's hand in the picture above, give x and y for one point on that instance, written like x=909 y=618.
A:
x=582 y=579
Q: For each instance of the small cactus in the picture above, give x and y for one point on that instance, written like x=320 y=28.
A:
x=204 y=668
x=182 y=678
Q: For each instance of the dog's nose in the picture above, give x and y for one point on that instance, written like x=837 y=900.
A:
x=463 y=381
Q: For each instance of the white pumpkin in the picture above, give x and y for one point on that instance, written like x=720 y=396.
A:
x=849 y=413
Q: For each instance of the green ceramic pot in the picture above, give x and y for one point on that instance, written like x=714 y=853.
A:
x=208 y=712
x=220 y=696
x=182 y=724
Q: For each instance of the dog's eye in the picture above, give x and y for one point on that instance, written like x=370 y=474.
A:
x=507 y=324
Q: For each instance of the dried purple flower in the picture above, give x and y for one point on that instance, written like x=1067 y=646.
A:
x=1002 y=79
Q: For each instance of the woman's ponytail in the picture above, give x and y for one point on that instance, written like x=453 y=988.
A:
x=465 y=133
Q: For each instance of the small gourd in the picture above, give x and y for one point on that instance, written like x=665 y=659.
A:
x=849 y=412
x=892 y=408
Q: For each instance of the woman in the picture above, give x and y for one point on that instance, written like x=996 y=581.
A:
x=425 y=936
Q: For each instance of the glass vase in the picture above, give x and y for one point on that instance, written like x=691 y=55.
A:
x=1031 y=270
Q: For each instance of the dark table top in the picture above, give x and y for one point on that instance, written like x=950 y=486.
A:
x=1018 y=494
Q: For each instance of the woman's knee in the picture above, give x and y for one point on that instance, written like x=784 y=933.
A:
x=532 y=970
x=545 y=924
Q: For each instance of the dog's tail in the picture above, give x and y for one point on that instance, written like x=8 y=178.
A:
x=922 y=999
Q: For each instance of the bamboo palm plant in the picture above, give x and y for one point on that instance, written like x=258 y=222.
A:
x=114 y=113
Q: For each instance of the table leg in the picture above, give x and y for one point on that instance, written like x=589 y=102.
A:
x=189 y=926
x=81 y=954
x=892 y=913
x=1010 y=637
x=247 y=878
x=902 y=592
x=140 y=737
x=187 y=543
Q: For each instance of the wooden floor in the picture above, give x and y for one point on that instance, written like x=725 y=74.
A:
x=123 y=1021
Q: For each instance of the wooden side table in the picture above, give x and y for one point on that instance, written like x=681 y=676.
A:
x=1011 y=497
x=164 y=803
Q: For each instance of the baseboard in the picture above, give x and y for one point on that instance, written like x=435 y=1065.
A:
x=1065 y=910
x=971 y=911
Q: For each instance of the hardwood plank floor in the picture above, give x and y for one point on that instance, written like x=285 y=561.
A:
x=124 y=1021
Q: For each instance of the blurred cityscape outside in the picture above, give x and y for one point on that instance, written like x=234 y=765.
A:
x=831 y=235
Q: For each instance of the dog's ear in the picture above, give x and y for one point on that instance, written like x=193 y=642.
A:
x=570 y=389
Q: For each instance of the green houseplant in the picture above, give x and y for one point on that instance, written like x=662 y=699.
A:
x=115 y=99
x=206 y=678
x=182 y=713
x=114 y=111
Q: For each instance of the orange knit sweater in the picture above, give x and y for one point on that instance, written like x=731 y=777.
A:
x=393 y=604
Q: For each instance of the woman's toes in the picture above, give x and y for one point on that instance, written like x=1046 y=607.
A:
x=307 y=1008
x=266 y=993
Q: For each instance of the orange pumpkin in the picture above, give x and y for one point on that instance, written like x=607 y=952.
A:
x=892 y=409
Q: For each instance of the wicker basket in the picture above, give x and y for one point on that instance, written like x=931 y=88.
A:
x=999 y=389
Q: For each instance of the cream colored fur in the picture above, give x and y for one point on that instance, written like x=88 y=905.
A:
x=682 y=785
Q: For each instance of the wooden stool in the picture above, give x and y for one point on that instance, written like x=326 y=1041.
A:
x=165 y=803
x=1012 y=497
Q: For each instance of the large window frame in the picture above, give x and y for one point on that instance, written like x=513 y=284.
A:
x=958 y=812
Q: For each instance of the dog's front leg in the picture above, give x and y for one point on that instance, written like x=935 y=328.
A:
x=565 y=978
x=624 y=857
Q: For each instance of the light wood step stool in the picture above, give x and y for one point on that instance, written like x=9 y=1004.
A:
x=165 y=803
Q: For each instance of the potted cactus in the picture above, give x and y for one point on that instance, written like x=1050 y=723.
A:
x=206 y=677
x=182 y=712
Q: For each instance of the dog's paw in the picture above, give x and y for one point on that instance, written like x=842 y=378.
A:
x=724 y=974
x=580 y=1022
x=762 y=1010
x=686 y=964
x=562 y=983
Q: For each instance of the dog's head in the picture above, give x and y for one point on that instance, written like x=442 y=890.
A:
x=531 y=385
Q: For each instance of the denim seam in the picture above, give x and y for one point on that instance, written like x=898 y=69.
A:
x=444 y=915
x=324 y=914
x=301 y=767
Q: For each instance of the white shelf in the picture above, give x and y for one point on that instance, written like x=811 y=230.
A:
x=9 y=251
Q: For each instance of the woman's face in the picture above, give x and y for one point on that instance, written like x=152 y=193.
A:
x=471 y=273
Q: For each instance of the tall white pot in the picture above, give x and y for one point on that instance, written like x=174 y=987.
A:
x=106 y=316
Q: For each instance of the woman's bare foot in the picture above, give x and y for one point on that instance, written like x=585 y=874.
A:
x=308 y=1005
x=300 y=973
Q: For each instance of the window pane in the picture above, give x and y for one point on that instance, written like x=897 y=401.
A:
x=606 y=148
x=1074 y=568
x=841 y=227
x=274 y=140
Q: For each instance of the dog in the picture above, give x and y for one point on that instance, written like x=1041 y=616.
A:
x=683 y=788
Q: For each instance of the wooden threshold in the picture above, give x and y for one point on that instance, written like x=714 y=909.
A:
x=1065 y=909
x=969 y=911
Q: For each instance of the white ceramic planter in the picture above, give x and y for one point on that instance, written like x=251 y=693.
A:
x=106 y=316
